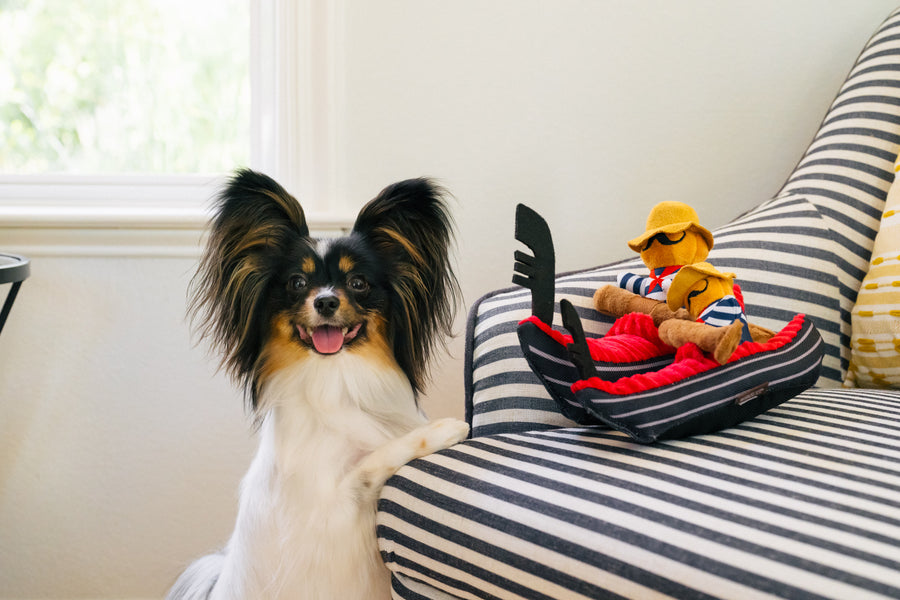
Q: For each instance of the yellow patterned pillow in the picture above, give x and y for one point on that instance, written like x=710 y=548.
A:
x=875 y=339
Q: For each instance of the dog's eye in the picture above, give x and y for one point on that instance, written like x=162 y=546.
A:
x=357 y=283
x=296 y=283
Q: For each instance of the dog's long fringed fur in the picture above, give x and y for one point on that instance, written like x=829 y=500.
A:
x=331 y=341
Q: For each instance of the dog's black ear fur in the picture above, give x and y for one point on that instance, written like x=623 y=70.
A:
x=409 y=224
x=255 y=222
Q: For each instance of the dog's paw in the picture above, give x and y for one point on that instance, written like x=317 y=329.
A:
x=371 y=473
x=438 y=435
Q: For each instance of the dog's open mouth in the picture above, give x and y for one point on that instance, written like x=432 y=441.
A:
x=328 y=339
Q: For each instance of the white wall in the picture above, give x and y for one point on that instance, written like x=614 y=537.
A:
x=121 y=449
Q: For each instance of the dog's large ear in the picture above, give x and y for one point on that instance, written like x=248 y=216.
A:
x=409 y=224
x=255 y=221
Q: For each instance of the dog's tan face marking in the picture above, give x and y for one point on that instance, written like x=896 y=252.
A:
x=346 y=264
x=282 y=349
x=376 y=343
x=309 y=265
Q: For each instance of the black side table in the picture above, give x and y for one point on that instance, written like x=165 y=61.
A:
x=14 y=269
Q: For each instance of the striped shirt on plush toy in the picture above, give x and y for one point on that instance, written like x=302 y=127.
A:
x=653 y=286
x=724 y=312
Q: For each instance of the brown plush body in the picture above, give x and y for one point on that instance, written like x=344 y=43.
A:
x=677 y=328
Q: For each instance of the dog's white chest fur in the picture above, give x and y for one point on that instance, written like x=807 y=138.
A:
x=306 y=527
x=329 y=440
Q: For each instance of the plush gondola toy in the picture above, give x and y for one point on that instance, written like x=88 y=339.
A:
x=631 y=379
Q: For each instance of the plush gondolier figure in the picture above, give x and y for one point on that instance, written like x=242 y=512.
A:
x=673 y=237
x=708 y=295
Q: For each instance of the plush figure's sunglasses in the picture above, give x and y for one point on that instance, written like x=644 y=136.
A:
x=663 y=239
x=696 y=293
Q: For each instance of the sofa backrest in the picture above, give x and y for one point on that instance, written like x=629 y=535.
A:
x=849 y=166
x=804 y=251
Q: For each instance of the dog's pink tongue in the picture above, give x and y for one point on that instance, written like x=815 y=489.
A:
x=327 y=339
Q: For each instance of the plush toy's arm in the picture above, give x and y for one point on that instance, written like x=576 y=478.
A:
x=616 y=302
x=648 y=287
x=721 y=342
x=760 y=334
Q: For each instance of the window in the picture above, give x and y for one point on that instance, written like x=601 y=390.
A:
x=143 y=86
x=162 y=98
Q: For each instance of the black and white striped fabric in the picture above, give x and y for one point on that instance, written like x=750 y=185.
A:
x=849 y=166
x=801 y=502
x=806 y=251
x=702 y=402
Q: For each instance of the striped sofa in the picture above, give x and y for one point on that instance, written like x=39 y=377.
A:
x=802 y=501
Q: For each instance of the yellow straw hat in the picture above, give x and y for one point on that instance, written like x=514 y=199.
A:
x=686 y=277
x=671 y=217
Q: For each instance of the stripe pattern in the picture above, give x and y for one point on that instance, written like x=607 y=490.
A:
x=724 y=312
x=700 y=403
x=551 y=363
x=784 y=258
x=803 y=502
x=715 y=399
x=848 y=168
x=653 y=286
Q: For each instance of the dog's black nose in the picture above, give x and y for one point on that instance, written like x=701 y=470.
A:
x=327 y=304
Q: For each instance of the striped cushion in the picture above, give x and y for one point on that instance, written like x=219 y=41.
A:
x=799 y=502
x=762 y=247
x=848 y=168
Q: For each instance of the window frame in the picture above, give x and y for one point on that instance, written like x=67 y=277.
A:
x=293 y=79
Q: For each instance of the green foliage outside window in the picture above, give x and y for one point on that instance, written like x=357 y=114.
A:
x=123 y=86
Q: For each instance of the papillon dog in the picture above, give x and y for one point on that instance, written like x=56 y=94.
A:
x=330 y=340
